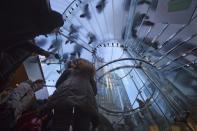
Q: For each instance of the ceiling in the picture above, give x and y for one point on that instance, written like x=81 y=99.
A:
x=105 y=34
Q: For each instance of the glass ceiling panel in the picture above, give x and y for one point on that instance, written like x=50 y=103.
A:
x=107 y=27
x=100 y=35
x=60 y=5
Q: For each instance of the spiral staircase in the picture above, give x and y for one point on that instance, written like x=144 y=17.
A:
x=147 y=77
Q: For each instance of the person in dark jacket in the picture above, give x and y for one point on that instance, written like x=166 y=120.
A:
x=23 y=96
x=74 y=100
x=13 y=57
x=64 y=75
x=101 y=6
x=15 y=101
x=86 y=12
x=92 y=38
x=138 y=20
x=140 y=103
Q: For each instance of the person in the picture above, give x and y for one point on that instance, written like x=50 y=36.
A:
x=86 y=12
x=55 y=45
x=141 y=107
x=64 y=75
x=101 y=6
x=65 y=61
x=23 y=96
x=13 y=57
x=140 y=103
x=92 y=38
x=72 y=38
x=138 y=20
x=14 y=101
x=74 y=100
x=6 y=112
x=31 y=121
x=150 y=42
x=73 y=29
x=77 y=50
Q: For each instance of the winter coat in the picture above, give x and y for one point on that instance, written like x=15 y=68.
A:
x=63 y=77
x=138 y=18
x=21 y=98
x=79 y=90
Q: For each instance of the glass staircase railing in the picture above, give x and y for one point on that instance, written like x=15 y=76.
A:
x=144 y=86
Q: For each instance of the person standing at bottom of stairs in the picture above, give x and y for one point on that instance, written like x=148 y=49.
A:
x=74 y=100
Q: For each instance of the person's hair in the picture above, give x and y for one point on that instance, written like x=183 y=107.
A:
x=84 y=65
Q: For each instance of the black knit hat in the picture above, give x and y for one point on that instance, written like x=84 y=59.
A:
x=53 y=20
x=57 y=19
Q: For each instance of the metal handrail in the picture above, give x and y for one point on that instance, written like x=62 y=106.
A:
x=133 y=111
x=123 y=59
x=176 y=33
x=70 y=6
x=117 y=68
x=114 y=69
